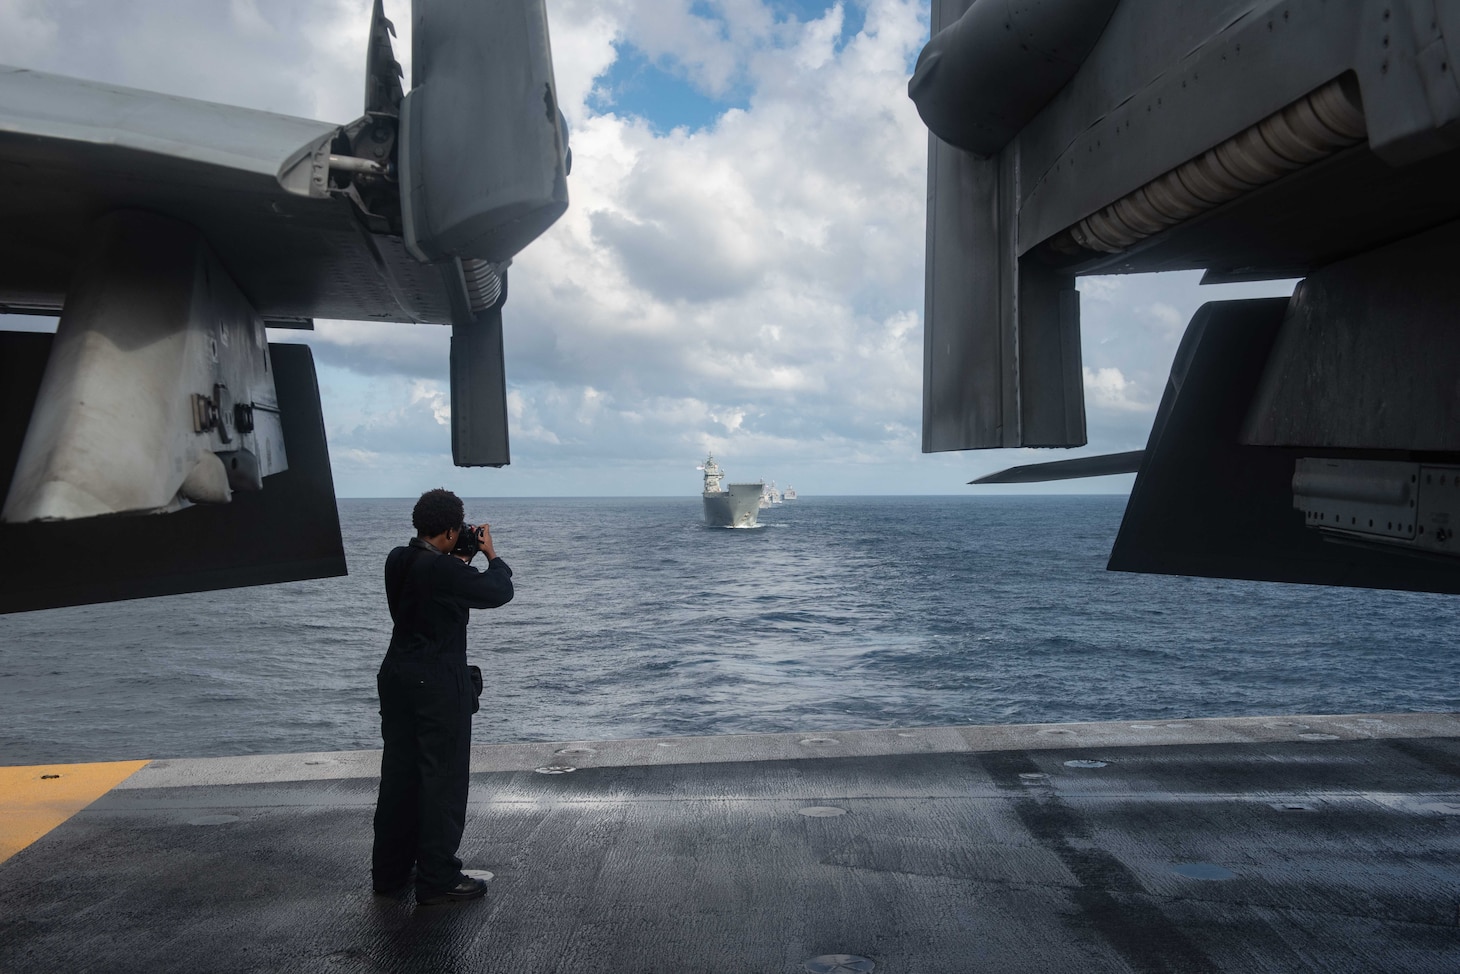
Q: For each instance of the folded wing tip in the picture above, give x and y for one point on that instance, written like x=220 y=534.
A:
x=1105 y=465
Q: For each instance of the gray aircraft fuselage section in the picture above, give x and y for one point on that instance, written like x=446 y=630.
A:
x=1251 y=139
x=1133 y=112
x=72 y=151
x=1310 y=439
x=1166 y=82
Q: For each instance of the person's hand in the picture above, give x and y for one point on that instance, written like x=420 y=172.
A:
x=484 y=536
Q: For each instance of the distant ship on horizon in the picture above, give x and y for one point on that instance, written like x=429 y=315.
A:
x=737 y=507
x=790 y=493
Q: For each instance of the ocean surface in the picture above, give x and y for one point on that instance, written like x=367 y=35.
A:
x=633 y=619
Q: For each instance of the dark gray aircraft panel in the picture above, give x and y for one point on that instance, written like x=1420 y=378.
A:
x=969 y=380
x=1001 y=364
x=1205 y=504
x=1343 y=374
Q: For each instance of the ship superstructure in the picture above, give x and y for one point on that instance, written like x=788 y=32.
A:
x=734 y=506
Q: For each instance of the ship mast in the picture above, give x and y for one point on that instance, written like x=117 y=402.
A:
x=713 y=475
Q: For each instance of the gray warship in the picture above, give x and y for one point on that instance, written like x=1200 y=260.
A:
x=737 y=507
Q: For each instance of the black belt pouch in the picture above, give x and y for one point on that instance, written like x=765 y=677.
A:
x=476 y=687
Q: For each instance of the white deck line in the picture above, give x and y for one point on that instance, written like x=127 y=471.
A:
x=324 y=766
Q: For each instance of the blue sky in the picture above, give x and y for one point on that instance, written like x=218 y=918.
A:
x=644 y=87
x=658 y=90
x=740 y=269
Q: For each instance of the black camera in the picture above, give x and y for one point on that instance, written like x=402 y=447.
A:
x=467 y=542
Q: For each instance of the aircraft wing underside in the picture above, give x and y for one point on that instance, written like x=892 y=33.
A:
x=168 y=234
x=73 y=150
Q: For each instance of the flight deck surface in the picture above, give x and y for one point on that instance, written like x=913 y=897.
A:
x=1248 y=844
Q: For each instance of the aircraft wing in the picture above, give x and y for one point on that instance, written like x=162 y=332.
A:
x=168 y=233
x=73 y=150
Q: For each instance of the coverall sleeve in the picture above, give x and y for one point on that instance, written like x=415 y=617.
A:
x=485 y=589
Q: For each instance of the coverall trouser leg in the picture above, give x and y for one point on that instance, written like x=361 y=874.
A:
x=425 y=720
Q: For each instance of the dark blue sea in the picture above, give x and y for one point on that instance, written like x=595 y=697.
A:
x=633 y=619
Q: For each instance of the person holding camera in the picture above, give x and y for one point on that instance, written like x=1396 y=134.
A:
x=427 y=696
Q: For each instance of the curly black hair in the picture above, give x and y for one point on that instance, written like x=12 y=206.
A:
x=437 y=512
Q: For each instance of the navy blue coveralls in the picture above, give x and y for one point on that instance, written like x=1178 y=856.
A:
x=426 y=703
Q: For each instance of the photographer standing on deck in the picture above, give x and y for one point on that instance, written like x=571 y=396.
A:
x=427 y=697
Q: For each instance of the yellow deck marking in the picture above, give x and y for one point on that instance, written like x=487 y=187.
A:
x=31 y=805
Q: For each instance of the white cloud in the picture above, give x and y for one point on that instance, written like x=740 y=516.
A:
x=711 y=53
x=730 y=420
x=378 y=348
x=1166 y=314
x=434 y=398
x=1103 y=289
x=583 y=34
x=817 y=45
x=1167 y=320
x=526 y=422
x=1108 y=389
x=248 y=19
x=29 y=30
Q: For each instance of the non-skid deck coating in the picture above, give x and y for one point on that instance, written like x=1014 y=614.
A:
x=1278 y=844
